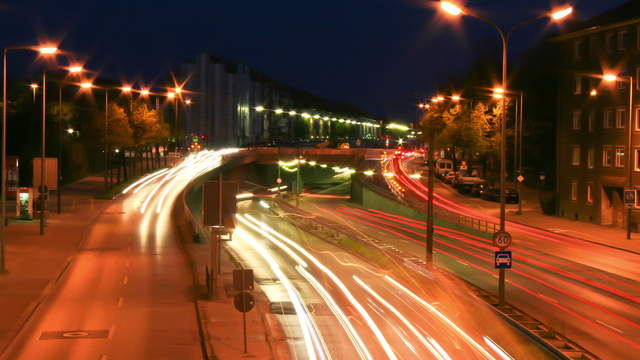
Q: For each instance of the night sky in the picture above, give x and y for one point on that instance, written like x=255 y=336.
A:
x=377 y=54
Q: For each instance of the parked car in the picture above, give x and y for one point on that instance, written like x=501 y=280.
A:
x=449 y=178
x=465 y=189
x=444 y=166
x=493 y=194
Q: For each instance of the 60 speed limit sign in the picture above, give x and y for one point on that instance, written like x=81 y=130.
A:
x=502 y=239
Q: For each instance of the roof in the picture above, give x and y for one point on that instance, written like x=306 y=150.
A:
x=625 y=14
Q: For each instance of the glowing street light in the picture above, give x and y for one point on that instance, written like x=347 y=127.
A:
x=178 y=90
x=560 y=14
x=75 y=69
x=126 y=89
x=259 y=108
x=593 y=92
x=171 y=95
x=86 y=85
x=48 y=50
x=455 y=98
x=188 y=101
x=450 y=8
x=292 y=113
x=144 y=92
x=70 y=131
x=34 y=86
x=279 y=111
x=610 y=77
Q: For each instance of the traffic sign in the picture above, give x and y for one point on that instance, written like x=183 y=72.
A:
x=630 y=197
x=502 y=259
x=502 y=239
x=243 y=279
x=520 y=178
x=243 y=302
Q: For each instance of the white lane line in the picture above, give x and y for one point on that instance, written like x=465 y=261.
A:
x=609 y=326
x=111 y=331
x=120 y=301
x=462 y=262
x=125 y=279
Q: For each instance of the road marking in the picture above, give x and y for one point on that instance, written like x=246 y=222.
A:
x=609 y=326
x=111 y=331
x=128 y=263
x=125 y=280
x=462 y=262
x=120 y=301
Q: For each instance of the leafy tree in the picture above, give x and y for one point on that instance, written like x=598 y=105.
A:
x=119 y=134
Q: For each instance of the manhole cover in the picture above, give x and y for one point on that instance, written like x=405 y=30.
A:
x=74 y=334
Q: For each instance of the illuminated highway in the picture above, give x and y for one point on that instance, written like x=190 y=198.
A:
x=596 y=308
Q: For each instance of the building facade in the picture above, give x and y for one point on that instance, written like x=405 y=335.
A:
x=593 y=124
x=231 y=105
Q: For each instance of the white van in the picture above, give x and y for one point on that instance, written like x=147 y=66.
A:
x=444 y=166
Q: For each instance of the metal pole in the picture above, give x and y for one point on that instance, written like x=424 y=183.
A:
x=4 y=158
x=519 y=151
x=298 y=180
x=629 y=149
x=430 y=184
x=59 y=147
x=106 y=141
x=219 y=236
x=503 y=127
x=43 y=169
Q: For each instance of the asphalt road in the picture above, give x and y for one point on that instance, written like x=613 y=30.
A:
x=596 y=308
x=397 y=313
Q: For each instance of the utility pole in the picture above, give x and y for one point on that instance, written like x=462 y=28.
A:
x=430 y=184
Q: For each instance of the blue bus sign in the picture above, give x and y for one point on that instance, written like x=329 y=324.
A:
x=502 y=259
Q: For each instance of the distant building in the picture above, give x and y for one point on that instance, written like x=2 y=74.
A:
x=592 y=126
x=226 y=108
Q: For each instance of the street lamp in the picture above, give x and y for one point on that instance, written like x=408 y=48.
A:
x=87 y=86
x=44 y=50
x=456 y=10
x=611 y=78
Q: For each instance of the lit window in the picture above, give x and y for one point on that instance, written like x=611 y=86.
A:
x=591 y=157
x=637 y=119
x=607 y=157
x=636 y=162
x=620 y=118
x=608 y=118
x=637 y=79
x=589 y=193
x=576 y=120
x=574 y=190
x=578 y=85
x=575 y=155
x=619 y=157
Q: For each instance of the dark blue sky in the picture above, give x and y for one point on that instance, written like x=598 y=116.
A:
x=377 y=54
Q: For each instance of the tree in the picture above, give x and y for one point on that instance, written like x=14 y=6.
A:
x=119 y=133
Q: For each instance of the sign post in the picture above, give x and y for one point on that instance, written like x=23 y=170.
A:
x=243 y=301
x=502 y=260
x=629 y=198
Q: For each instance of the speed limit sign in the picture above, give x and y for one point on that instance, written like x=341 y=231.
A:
x=502 y=239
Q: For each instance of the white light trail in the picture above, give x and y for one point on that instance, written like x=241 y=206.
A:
x=301 y=312
x=277 y=242
x=157 y=173
x=442 y=317
x=495 y=347
x=402 y=318
x=363 y=312
x=357 y=342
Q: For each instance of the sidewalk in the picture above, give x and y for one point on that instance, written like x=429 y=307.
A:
x=220 y=322
x=532 y=216
x=35 y=262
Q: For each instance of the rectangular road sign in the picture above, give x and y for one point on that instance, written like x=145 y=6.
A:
x=242 y=279
x=630 y=197
x=502 y=259
x=219 y=205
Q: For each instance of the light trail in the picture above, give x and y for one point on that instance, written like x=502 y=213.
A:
x=145 y=178
x=442 y=317
x=495 y=347
x=363 y=312
x=402 y=318
x=301 y=312
x=149 y=180
x=355 y=338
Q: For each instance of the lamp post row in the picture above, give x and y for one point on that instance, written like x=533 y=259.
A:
x=48 y=51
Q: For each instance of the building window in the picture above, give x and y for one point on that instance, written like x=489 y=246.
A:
x=607 y=157
x=620 y=117
x=576 y=120
x=589 y=193
x=608 y=118
x=575 y=155
x=577 y=89
x=619 y=157
x=637 y=79
x=578 y=49
x=623 y=40
x=636 y=161
x=574 y=190
x=591 y=120
x=637 y=118
x=591 y=157
x=593 y=47
x=609 y=44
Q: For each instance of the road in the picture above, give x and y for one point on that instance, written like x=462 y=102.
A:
x=352 y=308
x=128 y=292
x=596 y=308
